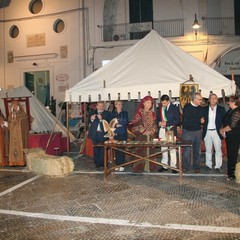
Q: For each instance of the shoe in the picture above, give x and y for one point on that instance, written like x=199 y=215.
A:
x=162 y=169
x=174 y=171
x=100 y=169
x=217 y=170
x=121 y=169
x=230 y=178
x=207 y=168
x=117 y=169
x=197 y=170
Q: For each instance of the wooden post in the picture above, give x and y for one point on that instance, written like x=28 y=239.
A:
x=67 y=125
x=146 y=166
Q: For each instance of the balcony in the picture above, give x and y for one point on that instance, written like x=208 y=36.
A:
x=221 y=26
x=134 y=31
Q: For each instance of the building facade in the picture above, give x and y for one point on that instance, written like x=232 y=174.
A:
x=50 y=45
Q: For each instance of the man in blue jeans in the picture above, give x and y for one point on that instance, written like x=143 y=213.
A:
x=192 y=120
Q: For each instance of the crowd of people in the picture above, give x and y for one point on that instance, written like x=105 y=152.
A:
x=210 y=124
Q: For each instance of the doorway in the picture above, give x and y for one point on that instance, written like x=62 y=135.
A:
x=38 y=82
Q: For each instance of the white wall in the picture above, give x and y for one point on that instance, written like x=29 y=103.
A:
x=42 y=23
x=83 y=37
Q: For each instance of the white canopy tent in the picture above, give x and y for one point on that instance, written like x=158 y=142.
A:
x=151 y=65
x=43 y=120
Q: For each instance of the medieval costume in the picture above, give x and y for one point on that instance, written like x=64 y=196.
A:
x=18 y=130
x=3 y=142
x=144 y=127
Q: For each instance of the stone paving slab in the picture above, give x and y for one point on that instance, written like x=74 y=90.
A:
x=125 y=206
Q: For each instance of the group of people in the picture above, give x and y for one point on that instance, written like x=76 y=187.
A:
x=210 y=123
x=14 y=136
x=96 y=130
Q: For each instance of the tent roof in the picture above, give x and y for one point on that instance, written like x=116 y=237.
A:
x=151 y=65
x=43 y=120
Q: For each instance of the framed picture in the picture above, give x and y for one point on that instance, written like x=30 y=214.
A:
x=24 y=101
x=186 y=92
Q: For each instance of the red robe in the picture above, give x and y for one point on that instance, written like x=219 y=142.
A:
x=142 y=122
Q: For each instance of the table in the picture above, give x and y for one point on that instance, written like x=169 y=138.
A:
x=110 y=146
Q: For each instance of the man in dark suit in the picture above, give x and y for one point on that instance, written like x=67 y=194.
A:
x=213 y=115
x=167 y=119
x=96 y=132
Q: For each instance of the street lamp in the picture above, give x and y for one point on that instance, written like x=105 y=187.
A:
x=196 y=26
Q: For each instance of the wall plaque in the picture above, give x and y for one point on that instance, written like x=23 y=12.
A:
x=36 y=40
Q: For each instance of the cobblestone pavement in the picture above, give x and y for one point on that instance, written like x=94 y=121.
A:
x=129 y=206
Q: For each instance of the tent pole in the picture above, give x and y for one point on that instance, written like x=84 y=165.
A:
x=67 y=125
x=85 y=117
x=50 y=138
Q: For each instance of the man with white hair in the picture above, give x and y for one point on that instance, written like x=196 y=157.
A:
x=192 y=121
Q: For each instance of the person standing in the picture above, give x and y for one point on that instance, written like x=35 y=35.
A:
x=144 y=127
x=167 y=119
x=3 y=141
x=192 y=119
x=232 y=131
x=96 y=132
x=213 y=115
x=18 y=134
x=121 y=130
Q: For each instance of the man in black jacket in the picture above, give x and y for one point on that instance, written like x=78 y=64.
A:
x=96 y=132
x=214 y=115
x=168 y=118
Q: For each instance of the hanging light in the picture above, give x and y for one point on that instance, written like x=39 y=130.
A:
x=196 y=24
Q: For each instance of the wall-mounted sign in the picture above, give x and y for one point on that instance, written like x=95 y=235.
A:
x=62 y=78
x=63 y=51
x=36 y=40
x=233 y=65
x=62 y=88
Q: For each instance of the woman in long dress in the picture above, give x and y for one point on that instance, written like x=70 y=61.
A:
x=3 y=141
x=144 y=127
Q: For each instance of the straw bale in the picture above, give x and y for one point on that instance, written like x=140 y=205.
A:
x=40 y=162
x=237 y=172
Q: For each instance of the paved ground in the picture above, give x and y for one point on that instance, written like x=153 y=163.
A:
x=83 y=205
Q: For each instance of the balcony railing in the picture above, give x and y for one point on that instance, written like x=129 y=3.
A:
x=130 y=31
x=169 y=28
x=221 y=25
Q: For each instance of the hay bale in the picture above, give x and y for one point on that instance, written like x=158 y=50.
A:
x=237 y=172
x=40 y=162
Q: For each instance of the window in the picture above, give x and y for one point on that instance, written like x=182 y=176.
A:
x=35 y=6
x=38 y=82
x=237 y=16
x=140 y=11
x=59 y=26
x=14 y=31
x=104 y=62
